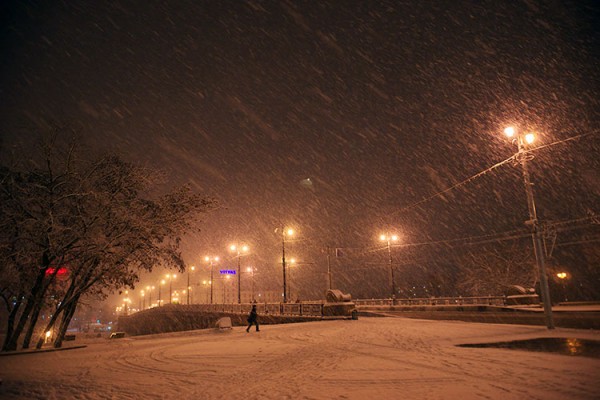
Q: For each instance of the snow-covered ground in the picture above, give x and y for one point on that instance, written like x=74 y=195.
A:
x=372 y=358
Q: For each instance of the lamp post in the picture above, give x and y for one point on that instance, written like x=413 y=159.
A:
x=189 y=288
x=522 y=157
x=284 y=233
x=329 y=266
x=389 y=239
x=170 y=277
x=204 y=283
x=211 y=261
x=239 y=250
x=291 y=264
x=142 y=300
x=250 y=270
x=224 y=280
x=563 y=276
x=126 y=303
x=162 y=282
x=149 y=289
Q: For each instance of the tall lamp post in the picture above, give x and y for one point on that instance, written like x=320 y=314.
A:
x=142 y=300
x=290 y=265
x=204 y=283
x=211 y=261
x=284 y=233
x=251 y=270
x=126 y=302
x=224 y=281
x=389 y=239
x=189 y=288
x=562 y=276
x=239 y=250
x=170 y=277
x=162 y=282
x=522 y=157
x=149 y=289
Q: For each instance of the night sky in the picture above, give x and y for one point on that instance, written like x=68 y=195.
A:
x=332 y=117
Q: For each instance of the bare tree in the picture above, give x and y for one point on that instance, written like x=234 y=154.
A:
x=96 y=219
x=491 y=270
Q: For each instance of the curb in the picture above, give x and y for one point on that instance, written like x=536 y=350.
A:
x=23 y=352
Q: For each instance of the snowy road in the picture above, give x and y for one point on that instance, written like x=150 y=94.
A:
x=372 y=358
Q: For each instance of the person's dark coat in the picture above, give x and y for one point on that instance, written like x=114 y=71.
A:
x=252 y=316
x=253 y=319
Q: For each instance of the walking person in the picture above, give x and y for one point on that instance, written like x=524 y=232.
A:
x=253 y=319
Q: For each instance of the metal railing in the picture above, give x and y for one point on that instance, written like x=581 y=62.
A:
x=435 y=301
x=308 y=309
x=315 y=308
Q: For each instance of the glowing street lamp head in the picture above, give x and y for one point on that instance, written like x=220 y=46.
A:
x=290 y=232
x=245 y=248
x=383 y=238
x=529 y=138
x=249 y=269
x=509 y=131
x=561 y=275
x=233 y=247
x=394 y=238
x=207 y=258
x=162 y=282
x=193 y=268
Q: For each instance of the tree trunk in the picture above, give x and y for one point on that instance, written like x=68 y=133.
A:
x=32 y=323
x=66 y=320
x=10 y=344
x=37 y=295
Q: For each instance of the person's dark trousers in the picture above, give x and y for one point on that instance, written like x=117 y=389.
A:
x=250 y=325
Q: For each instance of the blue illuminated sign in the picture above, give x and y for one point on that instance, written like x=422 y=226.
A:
x=227 y=271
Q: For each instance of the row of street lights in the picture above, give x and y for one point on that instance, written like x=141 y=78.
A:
x=211 y=260
x=522 y=156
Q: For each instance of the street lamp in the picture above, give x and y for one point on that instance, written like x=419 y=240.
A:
x=142 y=301
x=162 y=282
x=224 y=281
x=389 y=238
x=251 y=270
x=211 y=261
x=149 y=289
x=170 y=277
x=292 y=263
x=563 y=276
x=204 y=283
x=522 y=157
x=284 y=233
x=189 y=288
x=239 y=250
x=126 y=304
